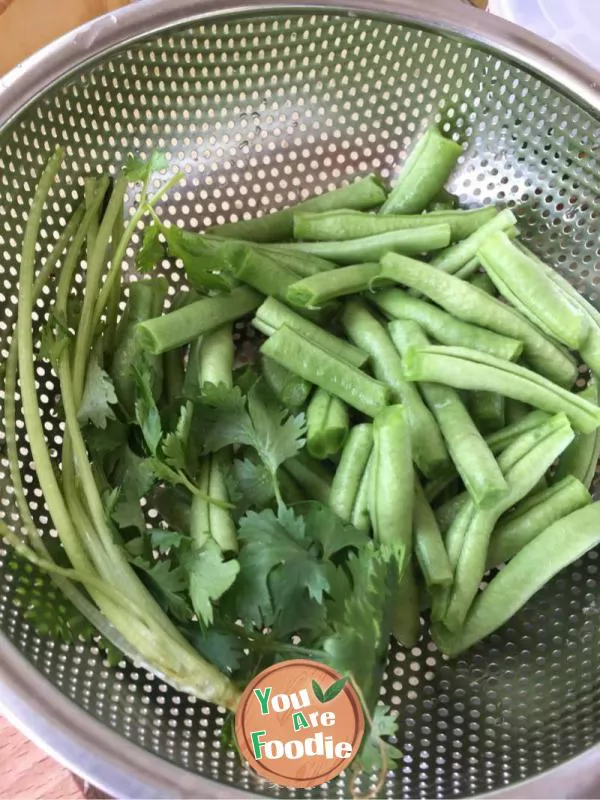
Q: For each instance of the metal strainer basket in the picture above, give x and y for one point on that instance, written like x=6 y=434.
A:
x=261 y=105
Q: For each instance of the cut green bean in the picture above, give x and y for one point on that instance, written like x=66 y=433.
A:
x=372 y=248
x=392 y=482
x=558 y=546
x=350 y=470
x=473 y=305
x=460 y=254
x=361 y=517
x=487 y=409
x=518 y=278
x=208 y=520
x=515 y=411
x=468 y=369
x=523 y=464
x=469 y=269
x=173 y=361
x=272 y=315
x=428 y=543
x=438 y=486
x=290 y=491
x=500 y=440
x=327 y=425
x=320 y=289
x=532 y=516
x=470 y=454
x=483 y=281
x=335 y=226
x=448 y=511
x=580 y=459
x=290 y=389
x=445 y=201
x=321 y=367
x=365 y=331
x=216 y=356
x=311 y=476
x=445 y=328
x=363 y=194
x=406 y=620
x=301 y=264
x=423 y=174
x=260 y=270
x=186 y=324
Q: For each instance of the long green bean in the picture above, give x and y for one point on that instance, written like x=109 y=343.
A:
x=423 y=174
x=487 y=409
x=272 y=315
x=428 y=543
x=444 y=327
x=406 y=622
x=260 y=270
x=392 y=482
x=533 y=515
x=317 y=290
x=580 y=459
x=365 y=331
x=311 y=362
x=372 y=248
x=519 y=279
x=182 y=326
x=483 y=281
x=334 y=226
x=350 y=470
x=311 y=476
x=458 y=255
x=468 y=369
x=523 y=464
x=551 y=551
x=470 y=454
x=363 y=194
x=327 y=425
x=361 y=518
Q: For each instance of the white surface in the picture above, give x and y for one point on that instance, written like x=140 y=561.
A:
x=571 y=24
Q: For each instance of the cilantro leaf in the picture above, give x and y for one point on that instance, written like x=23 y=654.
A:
x=98 y=396
x=174 y=445
x=252 y=484
x=168 y=584
x=333 y=533
x=229 y=419
x=210 y=577
x=164 y=541
x=222 y=648
x=370 y=754
x=55 y=338
x=199 y=255
x=139 y=169
x=358 y=643
x=127 y=511
x=146 y=411
x=151 y=251
x=276 y=544
x=107 y=441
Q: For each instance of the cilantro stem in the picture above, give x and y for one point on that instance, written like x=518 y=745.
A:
x=119 y=254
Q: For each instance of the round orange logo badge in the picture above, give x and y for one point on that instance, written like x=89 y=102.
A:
x=299 y=723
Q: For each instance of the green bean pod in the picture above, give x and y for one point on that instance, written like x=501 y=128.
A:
x=290 y=389
x=532 y=516
x=207 y=520
x=311 y=476
x=519 y=279
x=290 y=491
x=361 y=516
x=372 y=248
x=317 y=290
x=349 y=473
x=260 y=270
x=146 y=298
x=313 y=363
x=423 y=174
x=363 y=194
x=456 y=256
x=429 y=546
x=473 y=305
x=272 y=315
x=392 y=482
x=532 y=567
x=327 y=425
x=444 y=327
x=173 y=361
x=470 y=454
x=367 y=333
x=481 y=280
x=335 y=226
x=406 y=620
x=468 y=369
x=523 y=464
x=186 y=324
x=487 y=409
x=580 y=459
x=446 y=201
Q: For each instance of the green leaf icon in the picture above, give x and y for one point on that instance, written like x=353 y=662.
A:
x=335 y=689
x=318 y=692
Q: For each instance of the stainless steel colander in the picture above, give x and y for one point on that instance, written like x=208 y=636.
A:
x=260 y=105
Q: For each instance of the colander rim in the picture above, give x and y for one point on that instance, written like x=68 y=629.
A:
x=27 y=698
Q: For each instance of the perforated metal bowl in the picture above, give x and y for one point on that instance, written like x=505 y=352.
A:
x=261 y=106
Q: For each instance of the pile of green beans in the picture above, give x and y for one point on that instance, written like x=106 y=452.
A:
x=436 y=359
